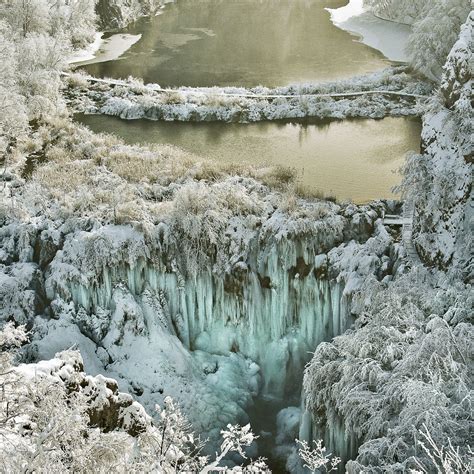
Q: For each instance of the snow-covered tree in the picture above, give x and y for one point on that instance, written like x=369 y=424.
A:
x=435 y=24
x=26 y=16
x=404 y=367
x=74 y=19
x=13 y=116
x=439 y=181
x=435 y=33
x=404 y=11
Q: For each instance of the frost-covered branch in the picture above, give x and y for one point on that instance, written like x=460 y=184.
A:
x=315 y=458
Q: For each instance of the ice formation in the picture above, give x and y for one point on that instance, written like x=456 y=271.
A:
x=273 y=306
x=244 y=324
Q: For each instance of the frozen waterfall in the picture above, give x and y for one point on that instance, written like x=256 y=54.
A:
x=274 y=309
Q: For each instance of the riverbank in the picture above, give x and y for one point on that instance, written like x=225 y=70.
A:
x=104 y=49
x=388 y=37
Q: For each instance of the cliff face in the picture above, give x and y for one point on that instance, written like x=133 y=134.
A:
x=440 y=180
x=118 y=13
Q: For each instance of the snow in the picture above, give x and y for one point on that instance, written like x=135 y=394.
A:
x=239 y=321
x=88 y=53
x=388 y=37
x=102 y=50
x=389 y=92
x=222 y=293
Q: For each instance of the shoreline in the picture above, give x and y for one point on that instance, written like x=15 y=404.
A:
x=107 y=49
x=102 y=50
x=89 y=52
x=387 y=36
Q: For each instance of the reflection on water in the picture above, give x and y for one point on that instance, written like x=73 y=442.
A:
x=270 y=42
x=351 y=159
x=242 y=42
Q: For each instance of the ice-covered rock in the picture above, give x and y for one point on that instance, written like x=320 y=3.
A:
x=108 y=408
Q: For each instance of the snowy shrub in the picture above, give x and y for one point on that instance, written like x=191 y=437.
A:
x=404 y=367
x=280 y=177
x=54 y=418
x=315 y=459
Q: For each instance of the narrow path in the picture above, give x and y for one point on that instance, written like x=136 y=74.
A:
x=406 y=223
x=210 y=91
x=407 y=233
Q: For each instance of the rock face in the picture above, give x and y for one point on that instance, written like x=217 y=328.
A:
x=109 y=14
x=118 y=13
x=109 y=409
x=443 y=190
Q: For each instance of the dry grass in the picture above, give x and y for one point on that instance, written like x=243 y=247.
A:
x=308 y=193
x=172 y=97
x=97 y=174
x=64 y=177
x=78 y=80
x=279 y=177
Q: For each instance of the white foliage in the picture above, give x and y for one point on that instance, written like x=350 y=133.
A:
x=445 y=459
x=48 y=412
x=315 y=458
x=403 y=366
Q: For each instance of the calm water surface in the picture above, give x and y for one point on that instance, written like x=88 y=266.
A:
x=351 y=159
x=269 y=42
x=242 y=42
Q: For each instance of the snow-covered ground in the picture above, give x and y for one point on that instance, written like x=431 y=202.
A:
x=102 y=50
x=88 y=53
x=388 y=37
x=132 y=253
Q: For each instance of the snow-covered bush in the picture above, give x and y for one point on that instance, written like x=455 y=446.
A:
x=316 y=459
x=54 y=418
x=405 y=366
